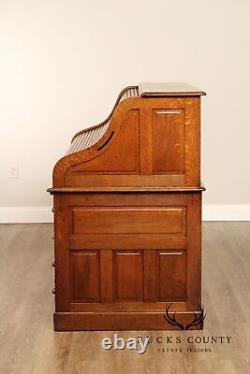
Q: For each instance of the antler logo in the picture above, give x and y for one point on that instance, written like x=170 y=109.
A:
x=170 y=317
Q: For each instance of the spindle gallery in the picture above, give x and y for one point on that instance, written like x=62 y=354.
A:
x=127 y=209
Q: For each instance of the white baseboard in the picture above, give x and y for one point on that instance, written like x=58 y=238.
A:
x=43 y=214
x=226 y=213
x=26 y=214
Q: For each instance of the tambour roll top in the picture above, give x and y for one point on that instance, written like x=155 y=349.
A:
x=151 y=138
x=90 y=136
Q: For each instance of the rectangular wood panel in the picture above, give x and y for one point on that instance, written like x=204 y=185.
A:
x=172 y=275
x=85 y=284
x=128 y=279
x=168 y=220
x=169 y=144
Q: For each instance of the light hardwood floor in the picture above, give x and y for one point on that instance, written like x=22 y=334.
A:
x=29 y=344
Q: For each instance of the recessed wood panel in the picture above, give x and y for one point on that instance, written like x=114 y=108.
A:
x=172 y=275
x=168 y=220
x=128 y=279
x=168 y=153
x=85 y=276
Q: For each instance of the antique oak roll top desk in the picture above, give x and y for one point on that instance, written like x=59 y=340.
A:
x=127 y=215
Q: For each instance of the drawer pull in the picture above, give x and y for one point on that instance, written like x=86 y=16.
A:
x=168 y=111
x=53 y=263
x=53 y=291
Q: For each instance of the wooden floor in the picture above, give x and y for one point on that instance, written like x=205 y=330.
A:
x=29 y=344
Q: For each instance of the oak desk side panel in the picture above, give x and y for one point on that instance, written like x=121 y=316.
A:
x=126 y=263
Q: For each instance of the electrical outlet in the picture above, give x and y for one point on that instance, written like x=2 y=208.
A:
x=14 y=172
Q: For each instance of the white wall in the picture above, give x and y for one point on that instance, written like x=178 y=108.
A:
x=63 y=62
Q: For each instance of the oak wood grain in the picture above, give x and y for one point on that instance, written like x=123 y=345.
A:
x=127 y=156
x=127 y=203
